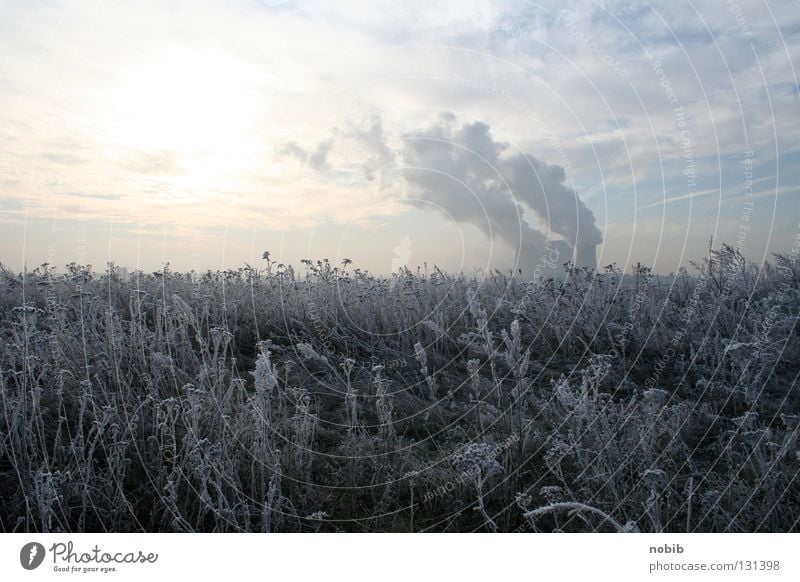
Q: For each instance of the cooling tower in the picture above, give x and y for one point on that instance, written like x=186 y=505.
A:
x=586 y=255
x=558 y=252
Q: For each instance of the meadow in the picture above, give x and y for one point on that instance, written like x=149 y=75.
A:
x=327 y=399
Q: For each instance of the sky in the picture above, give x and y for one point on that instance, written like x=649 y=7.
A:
x=463 y=134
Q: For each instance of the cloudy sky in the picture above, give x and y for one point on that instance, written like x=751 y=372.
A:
x=462 y=134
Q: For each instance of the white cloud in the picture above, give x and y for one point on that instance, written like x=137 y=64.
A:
x=88 y=103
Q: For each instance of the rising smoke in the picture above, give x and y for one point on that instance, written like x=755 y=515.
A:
x=455 y=171
x=471 y=177
x=461 y=171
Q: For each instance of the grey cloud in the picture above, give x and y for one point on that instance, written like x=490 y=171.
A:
x=8 y=204
x=361 y=146
x=463 y=172
x=291 y=149
x=317 y=159
x=456 y=172
x=62 y=158
x=153 y=162
x=472 y=178
x=542 y=188
x=93 y=196
x=371 y=135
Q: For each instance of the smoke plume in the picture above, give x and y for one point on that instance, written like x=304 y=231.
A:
x=455 y=171
x=470 y=177
x=461 y=171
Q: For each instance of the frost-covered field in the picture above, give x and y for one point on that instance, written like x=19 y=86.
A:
x=332 y=400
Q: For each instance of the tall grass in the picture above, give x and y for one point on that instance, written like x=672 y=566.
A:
x=260 y=400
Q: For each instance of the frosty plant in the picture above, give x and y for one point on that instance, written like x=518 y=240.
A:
x=473 y=366
x=265 y=380
x=518 y=361
x=383 y=405
x=479 y=462
x=157 y=401
x=484 y=337
x=351 y=396
x=655 y=480
x=430 y=380
x=582 y=511
x=304 y=424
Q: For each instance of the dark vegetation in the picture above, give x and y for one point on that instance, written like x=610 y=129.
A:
x=260 y=400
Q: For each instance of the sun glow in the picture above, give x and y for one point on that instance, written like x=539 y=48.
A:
x=197 y=108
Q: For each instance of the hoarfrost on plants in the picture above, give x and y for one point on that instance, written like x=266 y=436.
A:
x=255 y=400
